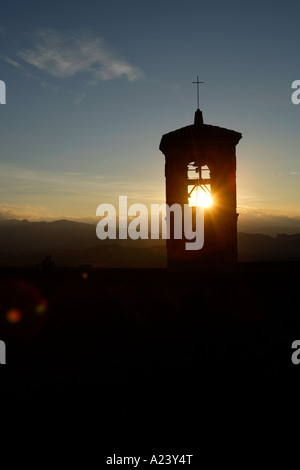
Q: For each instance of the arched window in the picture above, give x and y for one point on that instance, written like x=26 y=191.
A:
x=199 y=188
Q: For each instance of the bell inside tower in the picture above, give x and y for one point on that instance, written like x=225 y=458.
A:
x=199 y=187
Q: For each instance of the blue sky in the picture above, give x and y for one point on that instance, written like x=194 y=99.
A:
x=92 y=86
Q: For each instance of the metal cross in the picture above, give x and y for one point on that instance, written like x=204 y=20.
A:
x=197 y=89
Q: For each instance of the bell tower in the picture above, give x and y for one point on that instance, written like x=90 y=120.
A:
x=200 y=169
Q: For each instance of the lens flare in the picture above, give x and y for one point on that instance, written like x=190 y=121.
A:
x=13 y=315
x=41 y=307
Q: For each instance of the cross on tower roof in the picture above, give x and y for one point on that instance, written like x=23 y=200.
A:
x=197 y=90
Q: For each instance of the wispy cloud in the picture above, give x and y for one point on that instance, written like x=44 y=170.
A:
x=64 y=55
x=9 y=211
x=267 y=214
x=11 y=62
x=19 y=180
x=17 y=65
x=61 y=192
x=79 y=98
x=175 y=86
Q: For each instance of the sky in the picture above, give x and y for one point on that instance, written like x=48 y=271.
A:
x=92 y=86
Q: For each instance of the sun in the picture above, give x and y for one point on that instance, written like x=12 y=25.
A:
x=200 y=197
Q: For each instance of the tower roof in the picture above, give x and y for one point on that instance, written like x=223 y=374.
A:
x=203 y=133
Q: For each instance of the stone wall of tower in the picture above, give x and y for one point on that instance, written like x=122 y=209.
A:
x=215 y=147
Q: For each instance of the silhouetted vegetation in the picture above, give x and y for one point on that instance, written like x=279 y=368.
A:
x=46 y=264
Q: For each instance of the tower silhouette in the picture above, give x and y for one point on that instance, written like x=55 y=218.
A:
x=200 y=164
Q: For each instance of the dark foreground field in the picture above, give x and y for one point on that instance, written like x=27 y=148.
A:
x=137 y=359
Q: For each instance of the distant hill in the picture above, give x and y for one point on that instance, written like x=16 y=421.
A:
x=24 y=243
x=268 y=224
x=20 y=236
x=257 y=247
